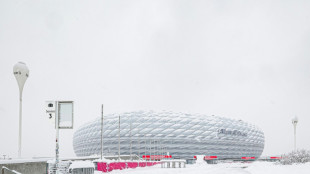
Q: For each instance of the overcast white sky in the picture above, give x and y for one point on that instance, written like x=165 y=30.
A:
x=246 y=60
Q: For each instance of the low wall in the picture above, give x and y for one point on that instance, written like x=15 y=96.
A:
x=40 y=167
x=26 y=167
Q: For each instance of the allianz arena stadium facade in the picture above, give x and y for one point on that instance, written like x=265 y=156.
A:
x=180 y=135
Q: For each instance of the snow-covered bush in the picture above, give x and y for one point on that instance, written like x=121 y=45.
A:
x=298 y=156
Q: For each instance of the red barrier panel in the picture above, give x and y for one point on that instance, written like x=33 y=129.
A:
x=142 y=164
x=117 y=165
x=107 y=167
x=112 y=166
x=102 y=166
x=132 y=165
x=122 y=165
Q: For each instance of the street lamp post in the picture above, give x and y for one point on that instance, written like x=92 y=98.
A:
x=294 y=122
x=21 y=73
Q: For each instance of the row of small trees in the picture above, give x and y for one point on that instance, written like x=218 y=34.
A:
x=295 y=157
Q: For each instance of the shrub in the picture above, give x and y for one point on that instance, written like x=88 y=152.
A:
x=296 y=157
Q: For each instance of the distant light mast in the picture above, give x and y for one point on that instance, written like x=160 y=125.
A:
x=21 y=73
x=294 y=122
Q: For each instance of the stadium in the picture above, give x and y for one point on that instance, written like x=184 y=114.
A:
x=181 y=135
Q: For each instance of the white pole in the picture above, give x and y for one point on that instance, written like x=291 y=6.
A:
x=130 y=141
x=20 y=124
x=161 y=150
x=295 y=121
x=101 y=131
x=155 y=150
x=150 y=149
x=144 y=147
x=119 y=135
x=139 y=145
x=295 y=136
x=57 y=137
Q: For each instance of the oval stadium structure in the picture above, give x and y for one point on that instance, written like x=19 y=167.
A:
x=178 y=134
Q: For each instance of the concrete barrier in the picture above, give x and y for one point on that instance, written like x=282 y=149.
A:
x=27 y=167
x=173 y=163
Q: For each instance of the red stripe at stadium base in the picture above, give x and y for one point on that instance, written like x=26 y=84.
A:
x=108 y=167
x=275 y=157
x=248 y=158
x=209 y=157
x=156 y=157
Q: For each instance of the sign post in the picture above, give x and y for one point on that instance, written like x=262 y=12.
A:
x=57 y=139
x=63 y=111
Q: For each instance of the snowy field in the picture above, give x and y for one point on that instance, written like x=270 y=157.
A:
x=224 y=168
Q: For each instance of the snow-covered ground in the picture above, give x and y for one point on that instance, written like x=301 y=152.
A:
x=224 y=168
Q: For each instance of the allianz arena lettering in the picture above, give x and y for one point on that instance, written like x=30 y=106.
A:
x=170 y=133
x=234 y=132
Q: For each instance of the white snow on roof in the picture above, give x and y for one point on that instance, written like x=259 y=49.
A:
x=82 y=164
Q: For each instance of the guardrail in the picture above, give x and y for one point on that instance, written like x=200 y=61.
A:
x=5 y=168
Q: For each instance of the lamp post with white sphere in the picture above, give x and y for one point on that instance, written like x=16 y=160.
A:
x=21 y=73
x=294 y=122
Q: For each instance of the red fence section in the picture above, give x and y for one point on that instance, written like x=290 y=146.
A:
x=107 y=167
